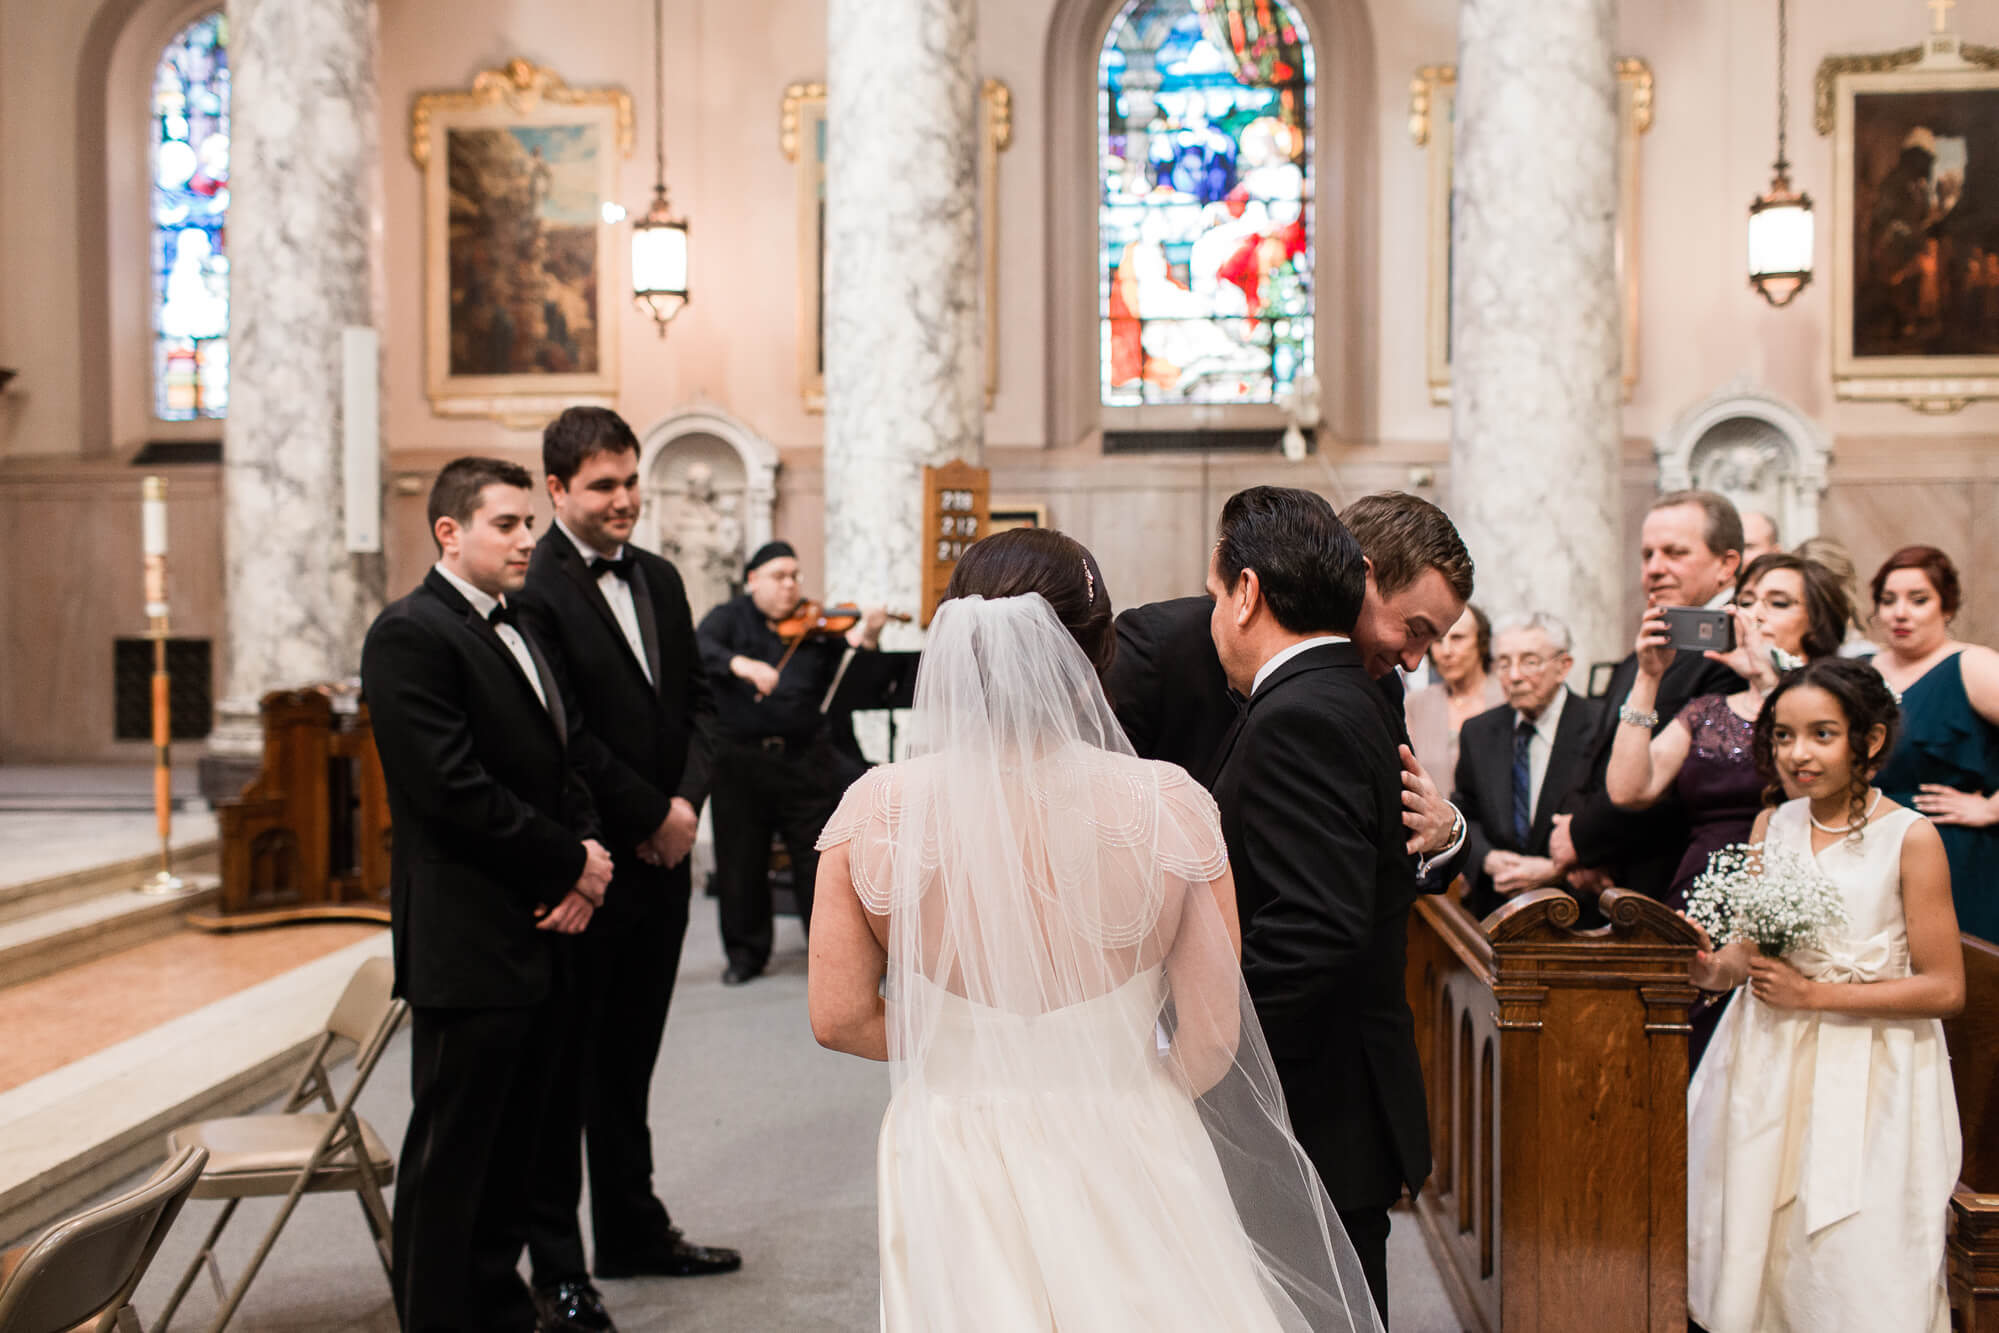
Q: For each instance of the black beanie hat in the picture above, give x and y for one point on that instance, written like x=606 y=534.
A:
x=768 y=552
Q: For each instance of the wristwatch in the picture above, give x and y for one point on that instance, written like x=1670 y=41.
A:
x=1458 y=830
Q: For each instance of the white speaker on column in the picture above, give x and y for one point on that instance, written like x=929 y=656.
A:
x=361 y=438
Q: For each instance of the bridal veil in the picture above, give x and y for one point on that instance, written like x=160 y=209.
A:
x=1086 y=1132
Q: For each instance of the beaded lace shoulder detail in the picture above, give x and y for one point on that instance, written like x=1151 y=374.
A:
x=1150 y=819
x=869 y=821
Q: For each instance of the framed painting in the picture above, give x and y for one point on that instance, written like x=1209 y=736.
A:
x=1915 y=222
x=1432 y=123
x=522 y=269
x=802 y=135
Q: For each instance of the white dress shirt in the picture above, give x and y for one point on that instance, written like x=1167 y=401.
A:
x=483 y=604
x=1264 y=672
x=618 y=593
x=1541 y=746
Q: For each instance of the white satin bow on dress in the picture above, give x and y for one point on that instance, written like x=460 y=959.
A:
x=1833 y=1169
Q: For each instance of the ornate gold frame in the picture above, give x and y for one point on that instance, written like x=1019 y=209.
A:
x=1432 y=93
x=517 y=93
x=800 y=118
x=1934 y=385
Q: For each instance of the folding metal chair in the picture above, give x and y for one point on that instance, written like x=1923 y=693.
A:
x=301 y=1151
x=81 y=1273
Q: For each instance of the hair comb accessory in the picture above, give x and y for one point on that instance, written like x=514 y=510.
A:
x=1089 y=585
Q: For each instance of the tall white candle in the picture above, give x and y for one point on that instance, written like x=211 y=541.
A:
x=154 y=511
x=153 y=524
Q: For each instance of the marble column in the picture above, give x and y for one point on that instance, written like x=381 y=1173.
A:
x=903 y=363
x=304 y=215
x=1536 y=435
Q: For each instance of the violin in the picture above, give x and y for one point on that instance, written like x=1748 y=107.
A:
x=810 y=619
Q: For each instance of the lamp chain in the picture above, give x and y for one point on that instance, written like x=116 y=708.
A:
x=659 y=92
x=1783 y=89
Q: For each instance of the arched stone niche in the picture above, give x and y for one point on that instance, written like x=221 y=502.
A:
x=1755 y=448
x=710 y=485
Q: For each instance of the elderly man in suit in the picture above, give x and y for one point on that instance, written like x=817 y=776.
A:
x=1309 y=784
x=615 y=623
x=1517 y=763
x=490 y=868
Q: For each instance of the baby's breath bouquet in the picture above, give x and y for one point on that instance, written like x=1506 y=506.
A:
x=1770 y=895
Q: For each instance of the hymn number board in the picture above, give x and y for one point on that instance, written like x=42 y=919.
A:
x=957 y=506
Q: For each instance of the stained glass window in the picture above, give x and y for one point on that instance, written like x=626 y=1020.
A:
x=190 y=165
x=1204 y=232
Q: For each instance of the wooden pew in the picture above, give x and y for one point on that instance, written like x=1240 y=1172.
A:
x=308 y=838
x=1972 y=1253
x=1556 y=1066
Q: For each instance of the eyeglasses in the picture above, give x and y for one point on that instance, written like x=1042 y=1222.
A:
x=1530 y=665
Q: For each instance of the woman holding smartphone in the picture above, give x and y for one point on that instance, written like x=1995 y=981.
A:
x=1793 y=606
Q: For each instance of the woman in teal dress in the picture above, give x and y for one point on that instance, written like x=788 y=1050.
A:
x=1946 y=764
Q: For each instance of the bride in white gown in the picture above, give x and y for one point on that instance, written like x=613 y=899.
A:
x=1037 y=931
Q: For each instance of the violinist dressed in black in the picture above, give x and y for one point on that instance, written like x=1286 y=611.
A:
x=776 y=768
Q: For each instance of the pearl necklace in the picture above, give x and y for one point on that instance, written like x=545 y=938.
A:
x=1850 y=828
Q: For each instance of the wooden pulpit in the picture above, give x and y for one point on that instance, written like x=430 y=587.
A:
x=308 y=838
x=1556 y=1065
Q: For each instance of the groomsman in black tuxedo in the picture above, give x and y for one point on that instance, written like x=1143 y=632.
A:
x=1691 y=551
x=615 y=623
x=1517 y=763
x=491 y=868
x=1310 y=787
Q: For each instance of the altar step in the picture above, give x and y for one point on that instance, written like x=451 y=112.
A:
x=73 y=912
x=70 y=1133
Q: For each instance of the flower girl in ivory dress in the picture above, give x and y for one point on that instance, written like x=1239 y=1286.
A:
x=1822 y=1131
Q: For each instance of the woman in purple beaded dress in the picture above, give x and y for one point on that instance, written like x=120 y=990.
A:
x=1796 y=607
x=1783 y=604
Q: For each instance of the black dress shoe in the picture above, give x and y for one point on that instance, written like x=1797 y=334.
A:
x=736 y=974
x=571 y=1307
x=673 y=1255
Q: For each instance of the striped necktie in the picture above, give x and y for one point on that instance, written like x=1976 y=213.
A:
x=1523 y=782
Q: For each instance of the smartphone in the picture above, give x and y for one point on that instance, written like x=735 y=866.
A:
x=1696 y=629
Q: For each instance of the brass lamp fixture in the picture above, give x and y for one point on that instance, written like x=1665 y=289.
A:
x=1780 y=220
x=659 y=239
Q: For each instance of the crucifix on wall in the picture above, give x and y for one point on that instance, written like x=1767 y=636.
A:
x=1941 y=9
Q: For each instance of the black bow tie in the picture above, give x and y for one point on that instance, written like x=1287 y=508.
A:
x=502 y=614
x=622 y=567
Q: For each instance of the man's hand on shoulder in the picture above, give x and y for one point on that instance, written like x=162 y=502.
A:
x=1431 y=820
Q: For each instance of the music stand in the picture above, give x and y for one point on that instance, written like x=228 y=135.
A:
x=868 y=681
